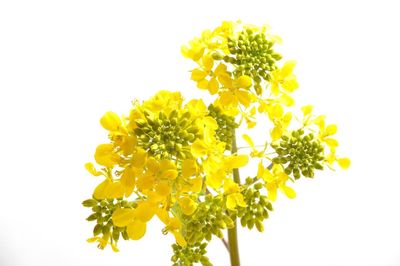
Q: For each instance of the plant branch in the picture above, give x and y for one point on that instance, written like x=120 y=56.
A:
x=232 y=233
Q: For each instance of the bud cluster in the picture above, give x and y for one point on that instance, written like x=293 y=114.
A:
x=209 y=219
x=253 y=55
x=226 y=125
x=102 y=213
x=299 y=154
x=186 y=256
x=166 y=137
x=257 y=207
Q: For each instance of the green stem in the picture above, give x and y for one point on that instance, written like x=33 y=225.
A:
x=232 y=233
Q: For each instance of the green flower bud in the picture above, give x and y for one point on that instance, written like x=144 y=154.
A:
x=89 y=203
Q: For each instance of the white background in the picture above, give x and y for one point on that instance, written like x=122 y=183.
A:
x=64 y=63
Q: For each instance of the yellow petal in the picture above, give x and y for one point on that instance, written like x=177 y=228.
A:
x=128 y=177
x=114 y=190
x=260 y=170
x=307 y=109
x=123 y=217
x=139 y=158
x=276 y=112
x=248 y=140
x=287 y=68
x=208 y=62
x=286 y=100
x=166 y=164
x=136 y=229
x=291 y=84
x=145 y=211
x=220 y=70
x=344 y=163
x=203 y=84
x=236 y=161
x=225 y=80
x=170 y=174
x=179 y=239
x=240 y=200
x=332 y=143
x=213 y=86
x=198 y=74
x=91 y=169
x=215 y=179
x=320 y=122
x=267 y=176
x=331 y=130
x=163 y=189
x=198 y=53
x=199 y=148
x=110 y=121
x=99 y=191
x=231 y=202
x=104 y=155
x=242 y=82
x=272 y=193
x=114 y=247
x=188 y=205
x=289 y=192
x=197 y=184
x=244 y=98
x=189 y=167
x=276 y=133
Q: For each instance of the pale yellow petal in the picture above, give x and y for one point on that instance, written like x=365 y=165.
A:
x=199 y=148
x=136 y=229
x=287 y=68
x=145 y=211
x=344 y=163
x=331 y=130
x=236 y=161
x=242 y=82
x=198 y=74
x=189 y=167
x=110 y=121
x=104 y=155
x=244 y=98
x=288 y=191
x=188 y=206
x=100 y=190
x=123 y=217
x=231 y=202
x=91 y=169
x=248 y=140
x=307 y=109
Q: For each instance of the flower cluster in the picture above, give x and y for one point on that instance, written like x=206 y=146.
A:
x=178 y=160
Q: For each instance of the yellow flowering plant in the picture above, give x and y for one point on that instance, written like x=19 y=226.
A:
x=177 y=160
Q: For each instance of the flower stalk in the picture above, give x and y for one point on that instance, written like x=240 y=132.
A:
x=232 y=233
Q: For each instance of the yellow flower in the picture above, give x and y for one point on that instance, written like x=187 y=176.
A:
x=233 y=196
x=165 y=101
x=275 y=180
x=283 y=80
x=188 y=205
x=103 y=242
x=135 y=219
x=173 y=225
x=326 y=132
x=195 y=49
x=200 y=75
x=281 y=120
x=254 y=152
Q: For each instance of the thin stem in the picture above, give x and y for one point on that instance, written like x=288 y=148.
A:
x=225 y=243
x=232 y=233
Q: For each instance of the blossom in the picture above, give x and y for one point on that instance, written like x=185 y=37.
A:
x=275 y=179
x=233 y=196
